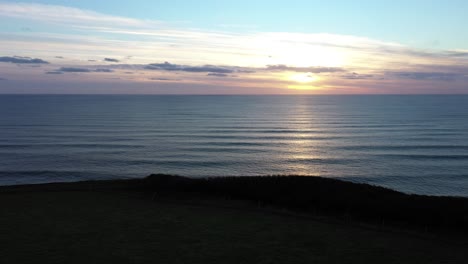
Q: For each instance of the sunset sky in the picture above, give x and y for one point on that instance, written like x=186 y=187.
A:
x=234 y=47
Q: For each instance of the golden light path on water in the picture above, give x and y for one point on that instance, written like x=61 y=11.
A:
x=303 y=148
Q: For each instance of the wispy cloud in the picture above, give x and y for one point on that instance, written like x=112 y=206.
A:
x=164 y=79
x=111 y=60
x=357 y=76
x=79 y=70
x=22 y=60
x=218 y=74
x=167 y=66
x=62 y=14
x=66 y=69
x=103 y=70
x=432 y=76
x=335 y=63
x=174 y=67
x=303 y=69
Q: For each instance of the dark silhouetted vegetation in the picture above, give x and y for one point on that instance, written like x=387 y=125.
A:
x=171 y=219
x=329 y=196
x=315 y=195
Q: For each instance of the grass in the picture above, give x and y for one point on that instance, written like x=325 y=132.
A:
x=106 y=222
x=361 y=202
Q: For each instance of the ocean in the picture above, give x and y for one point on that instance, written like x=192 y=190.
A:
x=414 y=144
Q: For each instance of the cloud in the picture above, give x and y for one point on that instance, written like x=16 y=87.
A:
x=459 y=69
x=81 y=70
x=22 y=60
x=281 y=67
x=434 y=76
x=217 y=74
x=208 y=68
x=164 y=79
x=2 y=79
x=245 y=71
x=200 y=54
x=103 y=70
x=436 y=54
x=71 y=69
x=457 y=54
x=357 y=76
x=111 y=60
x=212 y=69
x=166 y=66
x=62 y=14
x=440 y=54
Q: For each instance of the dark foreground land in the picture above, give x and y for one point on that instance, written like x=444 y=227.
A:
x=167 y=219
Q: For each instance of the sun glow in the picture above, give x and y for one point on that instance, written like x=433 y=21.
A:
x=303 y=78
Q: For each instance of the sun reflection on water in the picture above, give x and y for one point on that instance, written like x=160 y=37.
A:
x=303 y=151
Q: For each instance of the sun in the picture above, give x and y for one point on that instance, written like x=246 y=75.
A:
x=303 y=78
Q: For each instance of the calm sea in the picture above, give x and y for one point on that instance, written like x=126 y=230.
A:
x=415 y=144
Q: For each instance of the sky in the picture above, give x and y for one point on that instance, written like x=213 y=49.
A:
x=234 y=47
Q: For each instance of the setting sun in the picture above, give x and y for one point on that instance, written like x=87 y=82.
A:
x=303 y=78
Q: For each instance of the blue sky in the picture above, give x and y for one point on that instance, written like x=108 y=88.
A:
x=228 y=47
x=429 y=23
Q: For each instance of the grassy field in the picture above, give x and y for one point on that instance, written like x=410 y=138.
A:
x=118 y=226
